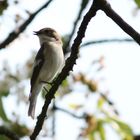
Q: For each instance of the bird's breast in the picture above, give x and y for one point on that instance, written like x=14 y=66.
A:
x=53 y=63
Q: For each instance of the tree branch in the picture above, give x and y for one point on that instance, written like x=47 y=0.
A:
x=66 y=47
x=65 y=71
x=106 y=41
x=96 y=5
x=6 y=132
x=13 y=35
x=105 y=6
x=137 y=137
x=70 y=113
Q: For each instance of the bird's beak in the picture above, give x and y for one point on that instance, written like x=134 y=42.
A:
x=36 y=32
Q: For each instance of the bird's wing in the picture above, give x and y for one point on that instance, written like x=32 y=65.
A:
x=39 y=60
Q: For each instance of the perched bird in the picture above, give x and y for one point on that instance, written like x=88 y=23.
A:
x=48 y=63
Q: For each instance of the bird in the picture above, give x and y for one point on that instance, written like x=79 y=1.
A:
x=48 y=62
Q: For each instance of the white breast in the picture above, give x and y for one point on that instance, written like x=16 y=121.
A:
x=54 y=61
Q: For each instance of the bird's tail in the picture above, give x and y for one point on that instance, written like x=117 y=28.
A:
x=33 y=99
x=31 y=111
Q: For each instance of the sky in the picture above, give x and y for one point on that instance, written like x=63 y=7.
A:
x=122 y=66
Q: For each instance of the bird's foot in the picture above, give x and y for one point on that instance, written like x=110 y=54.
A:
x=45 y=82
x=45 y=89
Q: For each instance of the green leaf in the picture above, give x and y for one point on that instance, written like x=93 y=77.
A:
x=101 y=130
x=120 y=127
x=2 y=112
x=138 y=3
x=100 y=103
x=65 y=83
x=124 y=127
x=90 y=136
x=126 y=131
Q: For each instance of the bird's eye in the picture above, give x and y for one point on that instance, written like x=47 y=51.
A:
x=46 y=31
x=50 y=34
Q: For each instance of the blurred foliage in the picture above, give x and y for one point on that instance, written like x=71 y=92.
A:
x=2 y=112
x=3 y=6
x=96 y=128
x=19 y=129
x=138 y=3
x=4 y=137
x=96 y=123
x=9 y=80
x=137 y=8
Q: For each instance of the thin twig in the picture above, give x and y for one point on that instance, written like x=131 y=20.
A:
x=8 y=133
x=65 y=72
x=106 y=41
x=67 y=44
x=70 y=113
x=105 y=6
x=109 y=102
x=13 y=35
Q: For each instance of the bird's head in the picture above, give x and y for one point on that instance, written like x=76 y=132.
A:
x=48 y=35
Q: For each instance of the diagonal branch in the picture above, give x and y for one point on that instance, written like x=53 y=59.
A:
x=137 y=137
x=96 y=5
x=13 y=35
x=65 y=71
x=105 y=6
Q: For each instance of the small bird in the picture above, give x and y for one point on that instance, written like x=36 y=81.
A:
x=48 y=63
